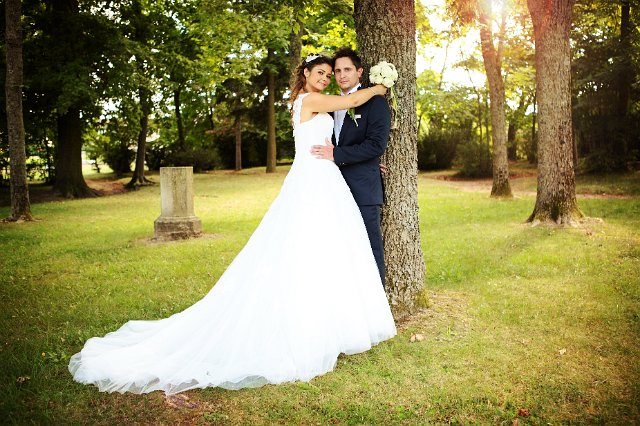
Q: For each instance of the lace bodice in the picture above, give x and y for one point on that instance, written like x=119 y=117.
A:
x=311 y=132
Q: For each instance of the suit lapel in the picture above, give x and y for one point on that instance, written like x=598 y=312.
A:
x=344 y=123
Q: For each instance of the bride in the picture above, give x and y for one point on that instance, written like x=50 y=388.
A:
x=298 y=294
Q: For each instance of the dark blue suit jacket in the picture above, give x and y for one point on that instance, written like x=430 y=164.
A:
x=360 y=147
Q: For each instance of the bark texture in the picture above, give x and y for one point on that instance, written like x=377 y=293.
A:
x=69 y=180
x=493 y=68
x=237 y=129
x=20 y=205
x=295 y=50
x=385 y=30
x=138 y=178
x=271 y=115
x=178 y=107
x=556 y=194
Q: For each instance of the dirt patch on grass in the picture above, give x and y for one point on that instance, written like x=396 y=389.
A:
x=107 y=187
x=40 y=193
x=153 y=241
x=446 y=318
x=485 y=184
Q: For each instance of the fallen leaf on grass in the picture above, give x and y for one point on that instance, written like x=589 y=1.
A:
x=417 y=338
x=523 y=412
x=179 y=401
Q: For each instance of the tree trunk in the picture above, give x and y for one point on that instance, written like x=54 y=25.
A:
x=492 y=66
x=486 y=114
x=512 y=148
x=210 y=118
x=556 y=195
x=176 y=104
x=49 y=157
x=238 y=132
x=481 y=140
x=138 y=178
x=69 y=180
x=512 y=130
x=271 y=114
x=382 y=35
x=533 y=143
x=20 y=205
x=625 y=83
x=626 y=78
x=295 y=50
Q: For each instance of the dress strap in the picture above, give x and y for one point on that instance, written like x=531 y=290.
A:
x=297 y=107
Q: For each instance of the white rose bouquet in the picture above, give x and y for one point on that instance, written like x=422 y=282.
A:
x=384 y=73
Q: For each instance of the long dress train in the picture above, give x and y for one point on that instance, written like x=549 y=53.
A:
x=278 y=313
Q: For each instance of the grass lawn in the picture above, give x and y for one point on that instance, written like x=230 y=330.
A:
x=537 y=324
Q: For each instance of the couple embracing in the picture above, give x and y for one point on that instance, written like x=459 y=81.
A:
x=307 y=286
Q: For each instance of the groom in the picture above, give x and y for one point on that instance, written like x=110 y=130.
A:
x=356 y=147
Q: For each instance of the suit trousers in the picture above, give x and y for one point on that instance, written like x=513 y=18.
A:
x=372 y=220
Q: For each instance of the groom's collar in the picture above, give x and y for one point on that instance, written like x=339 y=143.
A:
x=353 y=89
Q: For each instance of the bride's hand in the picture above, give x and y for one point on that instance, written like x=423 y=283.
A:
x=380 y=89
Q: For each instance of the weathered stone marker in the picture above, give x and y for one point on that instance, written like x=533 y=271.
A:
x=177 y=219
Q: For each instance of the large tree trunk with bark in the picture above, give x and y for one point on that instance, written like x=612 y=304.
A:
x=69 y=180
x=492 y=66
x=556 y=195
x=138 y=178
x=295 y=50
x=271 y=114
x=385 y=30
x=20 y=205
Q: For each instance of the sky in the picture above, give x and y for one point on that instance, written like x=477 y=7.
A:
x=434 y=57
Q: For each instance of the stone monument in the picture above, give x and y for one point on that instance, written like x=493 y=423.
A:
x=177 y=219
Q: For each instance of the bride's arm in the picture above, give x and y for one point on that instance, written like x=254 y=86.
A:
x=317 y=102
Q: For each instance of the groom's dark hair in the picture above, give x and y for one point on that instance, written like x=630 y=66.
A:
x=347 y=52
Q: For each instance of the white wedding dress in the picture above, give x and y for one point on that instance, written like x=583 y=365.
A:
x=303 y=290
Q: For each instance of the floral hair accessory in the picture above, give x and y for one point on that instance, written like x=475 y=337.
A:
x=311 y=58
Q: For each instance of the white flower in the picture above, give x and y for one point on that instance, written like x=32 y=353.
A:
x=383 y=73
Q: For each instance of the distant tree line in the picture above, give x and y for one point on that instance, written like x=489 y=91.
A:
x=151 y=83
x=455 y=121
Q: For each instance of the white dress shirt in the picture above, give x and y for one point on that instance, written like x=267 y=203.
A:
x=338 y=116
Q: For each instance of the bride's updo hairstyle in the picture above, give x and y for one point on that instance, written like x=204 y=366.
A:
x=299 y=79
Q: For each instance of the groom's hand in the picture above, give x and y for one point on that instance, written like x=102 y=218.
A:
x=324 y=152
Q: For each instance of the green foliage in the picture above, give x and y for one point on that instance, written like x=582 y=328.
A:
x=437 y=149
x=200 y=159
x=475 y=159
x=606 y=128
x=114 y=139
